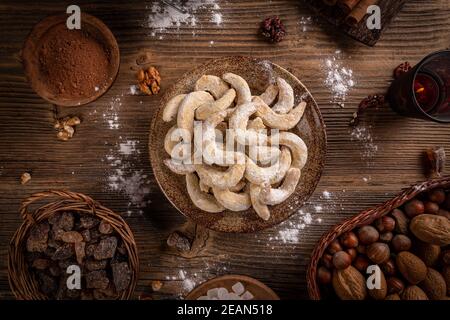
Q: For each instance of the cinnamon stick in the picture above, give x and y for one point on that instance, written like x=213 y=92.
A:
x=346 y=6
x=330 y=2
x=358 y=12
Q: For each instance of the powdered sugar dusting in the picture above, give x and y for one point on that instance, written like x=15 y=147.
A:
x=165 y=18
x=363 y=135
x=339 y=79
x=134 y=184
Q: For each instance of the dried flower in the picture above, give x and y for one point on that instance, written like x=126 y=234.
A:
x=401 y=69
x=370 y=101
x=149 y=80
x=273 y=29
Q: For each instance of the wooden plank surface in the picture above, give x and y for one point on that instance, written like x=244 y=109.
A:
x=358 y=173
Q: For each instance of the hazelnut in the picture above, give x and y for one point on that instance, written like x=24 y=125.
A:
x=388 y=267
x=334 y=247
x=444 y=213
x=386 y=237
x=361 y=249
x=323 y=275
x=395 y=285
x=437 y=195
x=327 y=260
x=401 y=221
x=385 y=224
x=361 y=263
x=414 y=207
x=352 y=253
x=349 y=240
x=401 y=243
x=446 y=257
x=378 y=252
x=341 y=260
x=368 y=235
x=431 y=207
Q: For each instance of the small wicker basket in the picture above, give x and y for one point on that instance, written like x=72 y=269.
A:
x=364 y=218
x=22 y=284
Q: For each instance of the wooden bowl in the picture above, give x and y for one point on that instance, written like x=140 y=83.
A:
x=365 y=217
x=97 y=29
x=259 y=290
x=258 y=73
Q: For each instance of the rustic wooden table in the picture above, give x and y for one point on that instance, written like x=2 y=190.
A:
x=363 y=167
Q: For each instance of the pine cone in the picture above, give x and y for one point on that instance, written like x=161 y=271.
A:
x=273 y=29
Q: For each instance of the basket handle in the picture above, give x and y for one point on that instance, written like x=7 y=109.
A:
x=26 y=215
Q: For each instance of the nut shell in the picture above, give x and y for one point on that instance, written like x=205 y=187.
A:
x=411 y=267
x=414 y=293
x=349 y=284
x=379 y=294
x=428 y=253
x=431 y=229
x=434 y=285
x=401 y=221
x=378 y=252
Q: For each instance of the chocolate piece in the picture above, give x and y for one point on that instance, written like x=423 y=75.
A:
x=37 y=240
x=64 y=252
x=106 y=248
x=121 y=275
x=97 y=280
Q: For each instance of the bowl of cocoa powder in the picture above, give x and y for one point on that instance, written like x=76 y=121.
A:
x=71 y=67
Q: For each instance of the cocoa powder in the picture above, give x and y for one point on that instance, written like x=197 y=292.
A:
x=72 y=63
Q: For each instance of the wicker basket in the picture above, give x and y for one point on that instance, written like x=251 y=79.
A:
x=364 y=218
x=22 y=284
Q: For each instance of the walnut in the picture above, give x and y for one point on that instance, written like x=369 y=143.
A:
x=149 y=80
x=65 y=127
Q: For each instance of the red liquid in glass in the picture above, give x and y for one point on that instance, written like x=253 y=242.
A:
x=426 y=90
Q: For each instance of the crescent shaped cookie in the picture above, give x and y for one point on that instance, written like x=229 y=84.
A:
x=260 y=208
x=232 y=200
x=270 y=94
x=285 y=101
x=240 y=85
x=279 y=121
x=238 y=123
x=179 y=167
x=273 y=174
x=213 y=84
x=273 y=196
x=207 y=109
x=201 y=200
x=297 y=146
x=220 y=179
x=171 y=108
x=186 y=110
